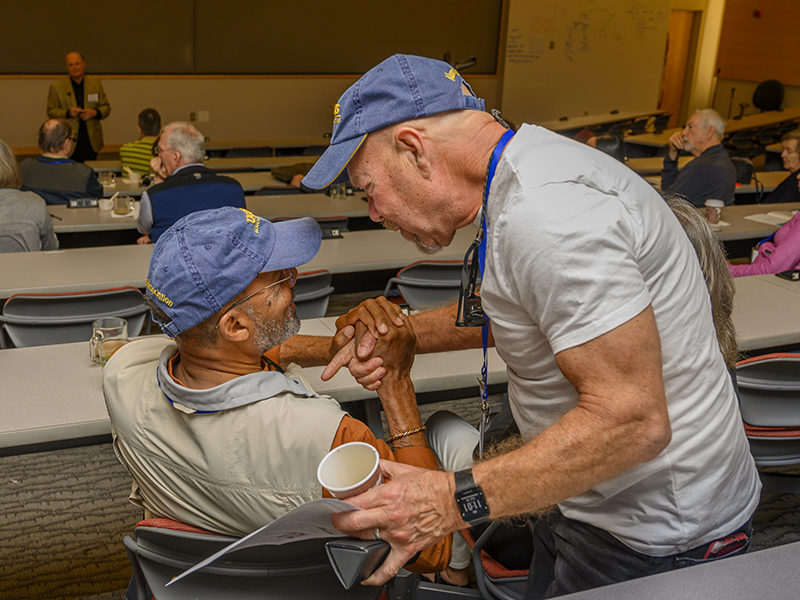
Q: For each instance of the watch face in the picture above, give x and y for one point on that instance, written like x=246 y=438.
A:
x=472 y=504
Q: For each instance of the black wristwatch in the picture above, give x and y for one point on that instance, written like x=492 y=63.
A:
x=470 y=499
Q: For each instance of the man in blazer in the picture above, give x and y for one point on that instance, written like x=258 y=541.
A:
x=81 y=100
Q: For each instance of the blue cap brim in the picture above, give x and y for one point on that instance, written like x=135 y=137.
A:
x=332 y=165
x=297 y=241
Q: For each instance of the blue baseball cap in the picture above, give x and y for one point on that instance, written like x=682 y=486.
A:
x=209 y=257
x=399 y=89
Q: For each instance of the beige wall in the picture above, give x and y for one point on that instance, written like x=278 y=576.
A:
x=238 y=107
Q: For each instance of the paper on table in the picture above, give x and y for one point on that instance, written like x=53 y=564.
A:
x=719 y=225
x=786 y=215
x=310 y=521
x=767 y=218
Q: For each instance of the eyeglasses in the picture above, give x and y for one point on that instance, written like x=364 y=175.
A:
x=470 y=311
x=290 y=278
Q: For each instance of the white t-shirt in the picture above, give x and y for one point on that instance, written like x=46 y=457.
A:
x=578 y=245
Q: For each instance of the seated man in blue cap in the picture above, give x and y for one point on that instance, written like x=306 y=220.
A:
x=217 y=426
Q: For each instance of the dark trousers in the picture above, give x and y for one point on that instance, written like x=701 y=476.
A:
x=570 y=556
x=83 y=147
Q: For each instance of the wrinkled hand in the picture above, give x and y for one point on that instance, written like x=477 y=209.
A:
x=159 y=170
x=356 y=338
x=675 y=144
x=414 y=510
x=87 y=114
x=74 y=111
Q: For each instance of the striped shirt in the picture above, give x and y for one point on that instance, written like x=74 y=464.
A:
x=137 y=155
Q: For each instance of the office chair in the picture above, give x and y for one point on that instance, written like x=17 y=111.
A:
x=495 y=580
x=427 y=282
x=313 y=292
x=768 y=95
x=769 y=135
x=42 y=319
x=742 y=142
x=769 y=399
x=619 y=129
x=163 y=549
x=661 y=121
x=639 y=126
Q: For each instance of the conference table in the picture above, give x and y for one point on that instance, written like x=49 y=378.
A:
x=67 y=404
x=274 y=143
x=242 y=163
x=576 y=123
x=85 y=269
x=653 y=165
x=251 y=181
x=740 y=227
x=770 y=573
x=75 y=220
x=767 y=181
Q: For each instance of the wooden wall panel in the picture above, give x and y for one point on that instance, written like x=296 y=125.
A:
x=755 y=48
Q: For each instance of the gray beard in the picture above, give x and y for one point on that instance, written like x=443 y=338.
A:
x=268 y=333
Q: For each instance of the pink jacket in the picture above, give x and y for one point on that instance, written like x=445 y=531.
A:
x=781 y=253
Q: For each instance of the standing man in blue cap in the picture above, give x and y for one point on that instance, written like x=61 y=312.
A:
x=635 y=451
x=217 y=426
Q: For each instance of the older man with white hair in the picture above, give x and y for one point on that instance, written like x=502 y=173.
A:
x=711 y=175
x=183 y=184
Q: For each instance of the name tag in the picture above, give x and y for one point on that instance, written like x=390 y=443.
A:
x=92 y=98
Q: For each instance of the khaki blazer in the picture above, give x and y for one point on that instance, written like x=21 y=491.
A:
x=61 y=99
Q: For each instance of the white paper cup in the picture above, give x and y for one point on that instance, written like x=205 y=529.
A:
x=105 y=204
x=135 y=177
x=350 y=469
x=714 y=210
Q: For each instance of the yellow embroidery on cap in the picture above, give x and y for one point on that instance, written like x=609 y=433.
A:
x=451 y=75
x=159 y=295
x=336 y=117
x=251 y=218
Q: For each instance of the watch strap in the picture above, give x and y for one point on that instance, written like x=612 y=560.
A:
x=464 y=479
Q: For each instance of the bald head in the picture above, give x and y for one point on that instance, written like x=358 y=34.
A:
x=76 y=65
x=54 y=136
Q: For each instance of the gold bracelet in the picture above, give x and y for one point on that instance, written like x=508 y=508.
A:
x=394 y=438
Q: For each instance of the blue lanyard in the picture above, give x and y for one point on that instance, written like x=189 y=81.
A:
x=498 y=152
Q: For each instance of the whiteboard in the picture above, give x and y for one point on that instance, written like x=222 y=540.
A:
x=571 y=58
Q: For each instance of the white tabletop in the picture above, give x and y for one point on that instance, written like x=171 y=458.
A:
x=71 y=220
x=741 y=228
x=84 y=269
x=653 y=165
x=768 y=181
x=770 y=573
x=593 y=120
x=251 y=181
x=257 y=163
x=68 y=403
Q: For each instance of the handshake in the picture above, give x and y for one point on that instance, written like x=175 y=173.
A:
x=375 y=341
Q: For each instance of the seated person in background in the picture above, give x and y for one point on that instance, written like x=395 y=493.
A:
x=183 y=184
x=53 y=175
x=137 y=155
x=711 y=175
x=779 y=252
x=213 y=430
x=787 y=190
x=611 y=145
x=25 y=224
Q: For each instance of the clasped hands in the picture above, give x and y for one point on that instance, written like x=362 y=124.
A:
x=84 y=113
x=374 y=341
